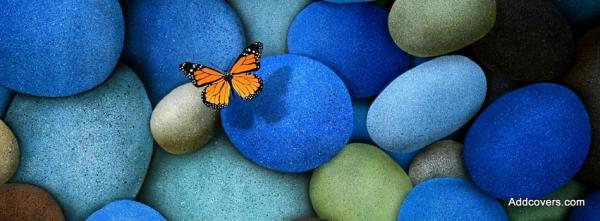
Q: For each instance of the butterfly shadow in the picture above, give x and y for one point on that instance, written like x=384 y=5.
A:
x=268 y=105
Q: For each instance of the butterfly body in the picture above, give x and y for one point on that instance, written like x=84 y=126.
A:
x=218 y=86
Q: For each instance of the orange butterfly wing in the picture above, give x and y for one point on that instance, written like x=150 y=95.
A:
x=246 y=85
x=249 y=60
x=216 y=95
x=200 y=75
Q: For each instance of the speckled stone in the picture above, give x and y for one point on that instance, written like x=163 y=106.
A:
x=181 y=123
x=218 y=183
x=309 y=219
x=360 y=183
x=88 y=149
x=584 y=79
x=440 y=159
x=24 y=202
x=531 y=41
x=59 y=48
x=268 y=21
x=573 y=190
x=9 y=153
x=426 y=103
x=436 y=27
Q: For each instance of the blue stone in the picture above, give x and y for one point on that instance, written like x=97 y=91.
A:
x=426 y=104
x=353 y=40
x=218 y=183
x=126 y=210
x=450 y=199
x=528 y=143
x=88 y=149
x=301 y=119
x=163 y=34
x=268 y=21
x=59 y=48
x=589 y=212
x=579 y=11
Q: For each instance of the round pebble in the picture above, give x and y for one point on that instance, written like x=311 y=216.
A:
x=163 y=34
x=573 y=190
x=450 y=90
x=9 y=153
x=437 y=27
x=360 y=183
x=531 y=41
x=126 y=210
x=450 y=199
x=59 y=48
x=268 y=21
x=585 y=81
x=589 y=212
x=88 y=149
x=440 y=159
x=309 y=219
x=181 y=123
x=296 y=123
x=353 y=40
x=579 y=11
x=528 y=143
x=359 y=111
x=348 y=1
x=24 y=202
x=5 y=98
x=218 y=183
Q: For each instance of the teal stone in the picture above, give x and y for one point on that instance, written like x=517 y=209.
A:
x=218 y=183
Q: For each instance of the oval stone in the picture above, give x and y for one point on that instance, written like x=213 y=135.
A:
x=360 y=183
x=528 y=143
x=163 y=34
x=426 y=104
x=440 y=159
x=328 y=32
x=9 y=153
x=59 y=48
x=24 y=202
x=437 y=27
x=218 y=183
x=268 y=21
x=86 y=150
x=181 y=123
x=531 y=41
x=301 y=119
x=584 y=79
x=126 y=210
x=450 y=199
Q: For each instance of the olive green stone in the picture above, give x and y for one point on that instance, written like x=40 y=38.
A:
x=436 y=27
x=181 y=123
x=360 y=183
x=9 y=153
x=571 y=191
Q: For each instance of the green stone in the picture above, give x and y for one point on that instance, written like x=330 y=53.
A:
x=572 y=191
x=360 y=183
x=436 y=27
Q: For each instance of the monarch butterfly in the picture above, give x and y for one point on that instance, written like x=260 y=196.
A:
x=218 y=86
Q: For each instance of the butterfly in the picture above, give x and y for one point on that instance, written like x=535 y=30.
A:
x=239 y=77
